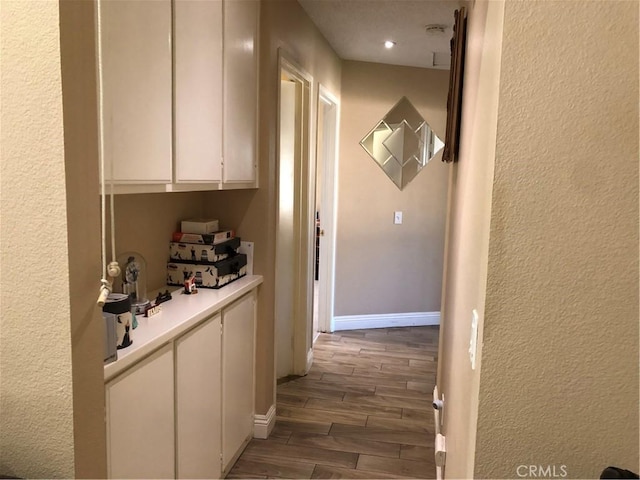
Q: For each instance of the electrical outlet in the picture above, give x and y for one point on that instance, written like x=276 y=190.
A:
x=473 y=342
x=397 y=218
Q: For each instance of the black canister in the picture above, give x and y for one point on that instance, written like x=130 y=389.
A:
x=119 y=304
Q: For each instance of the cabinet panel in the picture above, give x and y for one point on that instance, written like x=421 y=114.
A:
x=198 y=402
x=140 y=419
x=198 y=90
x=137 y=76
x=237 y=376
x=240 y=89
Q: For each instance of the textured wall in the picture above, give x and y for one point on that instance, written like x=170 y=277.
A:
x=559 y=380
x=36 y=420
x=382 y=267
x=77 y=48
x=468 y=234
x=283 y=24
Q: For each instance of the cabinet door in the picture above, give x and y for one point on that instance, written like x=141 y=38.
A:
x=198 y=90
x=198 y=402
x=136 y=66
x=240 y=90
x=237 y=376
x=140 y=418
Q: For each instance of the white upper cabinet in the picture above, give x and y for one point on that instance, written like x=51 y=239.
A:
x=137 y=89
x=179 y=117
x=241 y=19
x=198 y=90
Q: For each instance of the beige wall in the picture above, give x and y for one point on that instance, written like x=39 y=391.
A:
x=469 y=215
x=382 y=267
x=81 y=171
x=285 y=25
x=558 y=381
x=468 y=237
x=562 y=287
x=144 y=224
x=36 y=389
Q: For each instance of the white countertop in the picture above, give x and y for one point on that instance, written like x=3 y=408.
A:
x=177 y=316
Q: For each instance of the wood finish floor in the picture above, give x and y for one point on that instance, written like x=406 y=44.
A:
x=363 y=411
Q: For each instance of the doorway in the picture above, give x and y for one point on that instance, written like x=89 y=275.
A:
x=325 y=211
x=294 y=235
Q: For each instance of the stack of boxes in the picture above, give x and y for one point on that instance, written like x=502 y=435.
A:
x=202 y=252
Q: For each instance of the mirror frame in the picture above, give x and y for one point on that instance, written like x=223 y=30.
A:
x=402 y=143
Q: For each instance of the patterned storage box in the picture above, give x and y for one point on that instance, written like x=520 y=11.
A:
x=215 y=275
x=198 y=253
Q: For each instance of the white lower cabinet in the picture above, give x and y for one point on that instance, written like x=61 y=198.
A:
x=187 y=410
x=198 y=402
x=237 y=378
x=140 y=421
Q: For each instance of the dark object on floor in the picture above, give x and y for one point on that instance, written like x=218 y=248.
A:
x=615 y=472
x=288 y=378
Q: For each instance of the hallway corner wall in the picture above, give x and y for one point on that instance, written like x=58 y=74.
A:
x=36 y=390
x=77 y=49
x=559 y=379
x=469 y=216
x=383 y=268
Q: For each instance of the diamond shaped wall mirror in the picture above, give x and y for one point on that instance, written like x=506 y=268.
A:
x=402 y=143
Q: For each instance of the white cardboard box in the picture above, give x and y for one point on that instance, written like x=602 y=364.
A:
x=247 y=249
x=199 y=225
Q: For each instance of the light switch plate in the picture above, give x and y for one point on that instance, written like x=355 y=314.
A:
x=397 y=218
x=247 y=249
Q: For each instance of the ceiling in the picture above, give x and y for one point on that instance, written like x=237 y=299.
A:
x=357 y=29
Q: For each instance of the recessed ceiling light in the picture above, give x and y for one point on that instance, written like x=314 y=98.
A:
x=389 y=44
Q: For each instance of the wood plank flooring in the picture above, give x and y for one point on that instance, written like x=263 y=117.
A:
x=364 y=411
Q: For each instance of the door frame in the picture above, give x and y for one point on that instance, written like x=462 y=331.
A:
x=328 y=207
x=304 y=234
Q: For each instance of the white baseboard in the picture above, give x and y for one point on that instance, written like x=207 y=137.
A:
x=263 y=424
x=385 y=320
x=309 y=360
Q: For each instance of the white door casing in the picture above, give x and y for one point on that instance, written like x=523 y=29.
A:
x=294 y=264
x=328 y=149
